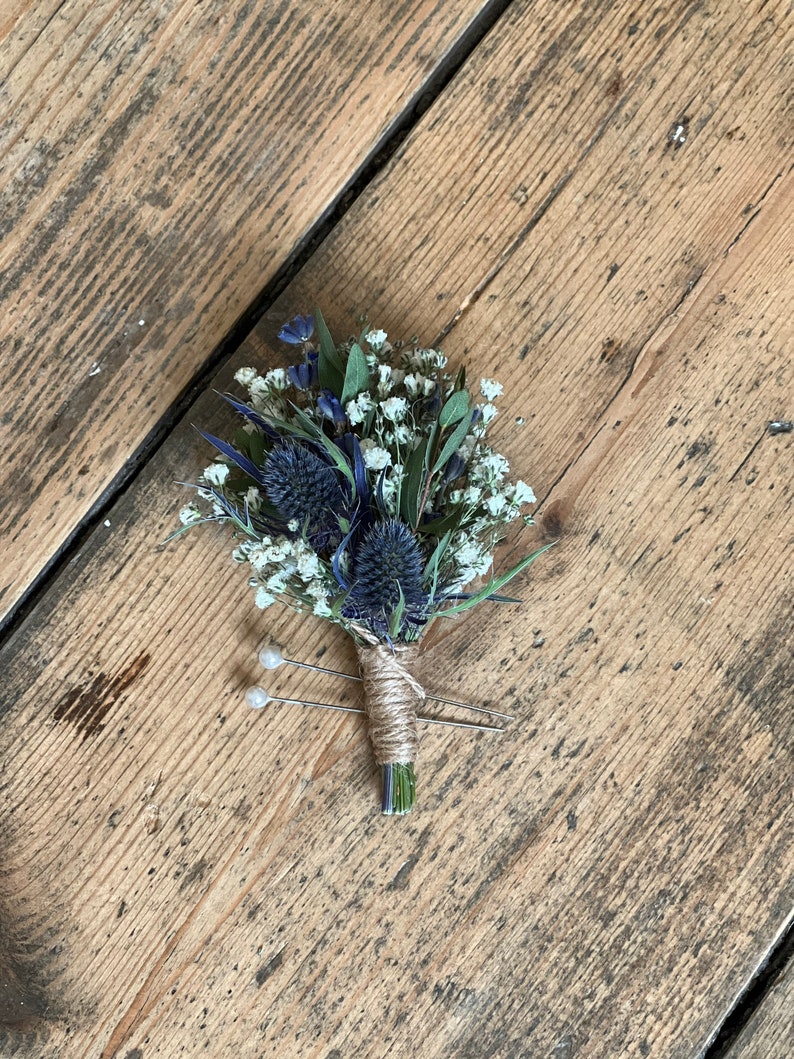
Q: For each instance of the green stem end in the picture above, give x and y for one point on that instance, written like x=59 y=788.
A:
x=398 y=788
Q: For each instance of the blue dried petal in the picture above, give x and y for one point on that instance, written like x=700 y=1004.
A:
x=297 y=331
x=304 y=376
x=330 y=407
x=454 y=468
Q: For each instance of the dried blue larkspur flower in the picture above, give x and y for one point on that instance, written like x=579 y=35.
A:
x=297 y=331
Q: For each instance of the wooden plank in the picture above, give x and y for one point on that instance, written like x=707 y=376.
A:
x=769 y=1033
x=604 y=879
x=158 y=164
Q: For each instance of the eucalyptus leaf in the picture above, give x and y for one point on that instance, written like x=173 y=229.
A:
x=413 y=484
x=453 y=442
x=455 y=408
x=356 y=374
x=330 y=369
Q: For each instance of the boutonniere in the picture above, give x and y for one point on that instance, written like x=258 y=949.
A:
x=360 y=488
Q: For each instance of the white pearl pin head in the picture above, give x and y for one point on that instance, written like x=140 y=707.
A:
x=270 y=657
x=257 y=698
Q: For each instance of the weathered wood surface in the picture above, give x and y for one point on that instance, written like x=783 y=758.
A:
x=603 y=878
x=770 y=1032
x=158 y=163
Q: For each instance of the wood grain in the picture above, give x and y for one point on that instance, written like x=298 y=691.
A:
x=158 y=163
x=769 y=1033
x=603 y=878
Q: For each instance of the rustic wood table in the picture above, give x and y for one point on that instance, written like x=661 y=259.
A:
x=588 y=201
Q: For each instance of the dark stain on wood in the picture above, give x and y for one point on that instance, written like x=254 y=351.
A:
x=267 y=969
x=553 y=519
x=763 y=675
x=87 y=706
x=610 y=348
x=21 y=1000
x=615 y=86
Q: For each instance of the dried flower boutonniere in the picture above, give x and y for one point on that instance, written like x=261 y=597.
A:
x=361 y=490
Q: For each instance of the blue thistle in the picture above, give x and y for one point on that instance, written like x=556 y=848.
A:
x=302 y=486
x=387 y=572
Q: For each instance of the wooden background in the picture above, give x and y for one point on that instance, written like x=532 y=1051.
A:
x=593 y=210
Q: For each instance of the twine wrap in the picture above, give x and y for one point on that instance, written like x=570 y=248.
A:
x=391 y=693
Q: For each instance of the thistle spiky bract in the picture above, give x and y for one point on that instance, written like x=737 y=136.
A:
x=360 y=488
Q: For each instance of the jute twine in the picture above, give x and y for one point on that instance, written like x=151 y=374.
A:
x=392 y=693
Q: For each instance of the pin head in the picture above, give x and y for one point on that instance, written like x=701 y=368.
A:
x=257 y=698
x=270 y=656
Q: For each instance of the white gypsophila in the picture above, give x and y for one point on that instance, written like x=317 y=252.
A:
x=375 y=458
x=402 y=433
x=489 y=412
x=490 y=388
x=321 y=609
x=425 y=361
x=522 y=494
x=385 y=380
x=391 y=484
x=276 y=583
x=375 y=339
x=189 y=515
x=357 y=409
x=307 y=560
x=471 y=559
x=253 y=498
x=263 y=599
x=489 y=467
x=269 y=552
x=293 y=525
x=414 y=384
x=496 y=504
x=472 y=494
x=240 y=555
x=265 y=389
x=245 y=376
x=216 y=473
x=467 y=447
x=268 y=405
x=394 y=409
x=277 y=380
x=317 y=589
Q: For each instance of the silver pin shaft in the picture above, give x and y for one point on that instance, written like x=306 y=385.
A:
x=353 y=709
x=434 y=698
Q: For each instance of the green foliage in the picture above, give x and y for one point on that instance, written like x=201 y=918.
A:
x=356 y=374
x=330 y=369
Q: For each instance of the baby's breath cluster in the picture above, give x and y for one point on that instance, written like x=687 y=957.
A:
x=360 y=485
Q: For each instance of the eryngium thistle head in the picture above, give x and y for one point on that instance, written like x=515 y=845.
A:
x=387 y=561
x=304 y=487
